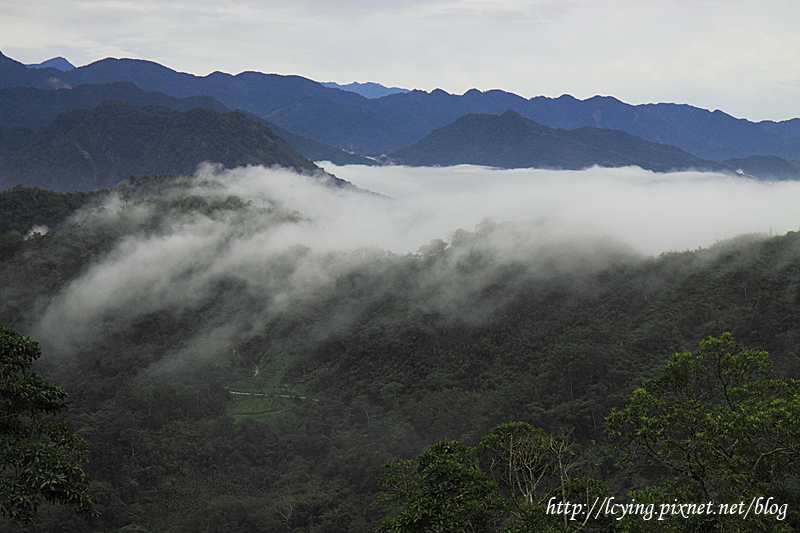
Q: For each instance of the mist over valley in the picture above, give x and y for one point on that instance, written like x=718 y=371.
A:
x=247 y=336
x=280 y=338
x=290 y=238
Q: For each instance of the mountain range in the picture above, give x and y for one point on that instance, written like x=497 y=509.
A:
x=375 y=126
x=513 y=141
x=34 y=108
x=510 y=140
x=329 y=122
x=225 y=376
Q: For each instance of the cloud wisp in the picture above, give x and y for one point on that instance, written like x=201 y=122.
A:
x=241 y=247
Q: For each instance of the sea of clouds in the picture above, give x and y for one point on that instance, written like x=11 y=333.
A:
x=299 y=235
x=652 y=212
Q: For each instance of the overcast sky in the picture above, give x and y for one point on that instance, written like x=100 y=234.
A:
x=740 y=56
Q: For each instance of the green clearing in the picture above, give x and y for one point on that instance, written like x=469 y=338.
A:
x=263 y=395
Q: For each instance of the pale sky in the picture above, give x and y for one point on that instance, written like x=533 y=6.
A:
x=740 y=56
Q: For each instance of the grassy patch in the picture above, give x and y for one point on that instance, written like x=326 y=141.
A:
x=263 y=394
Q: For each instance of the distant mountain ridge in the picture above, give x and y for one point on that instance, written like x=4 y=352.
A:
x=57 y=62
x=90 y=149
x=509 y=140
x=34 y=108
x=383 y=125
x=367 y=90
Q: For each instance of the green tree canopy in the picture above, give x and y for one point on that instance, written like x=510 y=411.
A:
x=446 y=492
x=503 y=484
x=38 y=454
x=721 y=425
x=534 y=468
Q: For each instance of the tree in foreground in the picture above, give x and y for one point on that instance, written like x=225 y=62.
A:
x=534 y=469
x=39 y=454
x=503 y=484
x=722 y=428
x=446 y=492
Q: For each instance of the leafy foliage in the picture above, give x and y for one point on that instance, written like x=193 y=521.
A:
x=449 y=488
x=38 y=457
x=21 y=208
x=446 y=491
x=722 y=422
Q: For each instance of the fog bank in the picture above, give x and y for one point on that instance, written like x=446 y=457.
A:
x=652 y=212
x=239 y=248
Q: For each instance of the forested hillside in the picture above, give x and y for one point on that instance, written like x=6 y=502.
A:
x=90 y=149
x=23 y=108
x=228 y=378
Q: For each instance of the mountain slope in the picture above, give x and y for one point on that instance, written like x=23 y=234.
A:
x=97 y=148
x=398 y=352
x=351 y=122
x=512 y=141
x=315 y=150
x=15 y=74
x=709 y=135
x=764 y=166
x=303 y=106
x=34 y=108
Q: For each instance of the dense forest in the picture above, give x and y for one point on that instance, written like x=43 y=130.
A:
x=224 y=382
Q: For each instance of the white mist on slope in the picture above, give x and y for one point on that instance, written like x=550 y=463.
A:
x=652 y=212
x=297 y=237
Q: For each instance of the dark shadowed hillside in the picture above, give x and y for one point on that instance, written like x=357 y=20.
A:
x=35 y=108
x=87 y=149
x=512 y=141
x=22 y=208
x=764 y=166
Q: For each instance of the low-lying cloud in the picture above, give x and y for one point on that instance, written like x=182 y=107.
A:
x=295 y=238
x=652 y=212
